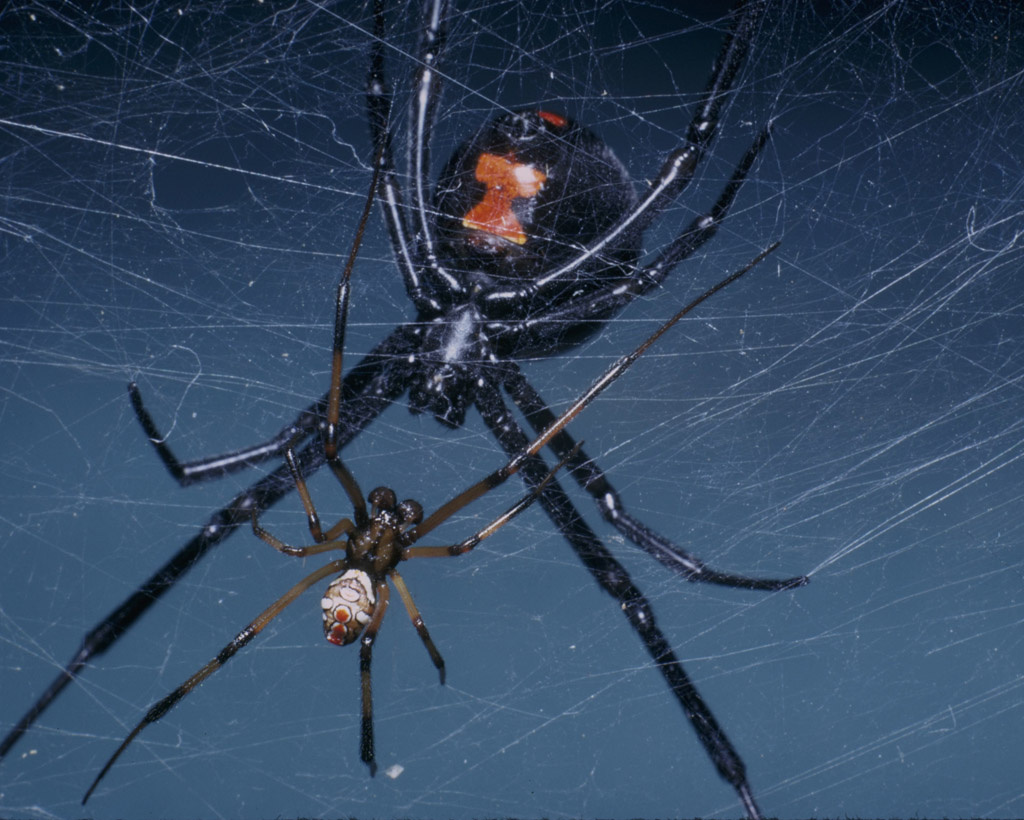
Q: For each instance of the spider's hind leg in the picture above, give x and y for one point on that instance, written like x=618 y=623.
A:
x=613 y=578
x=592 y=479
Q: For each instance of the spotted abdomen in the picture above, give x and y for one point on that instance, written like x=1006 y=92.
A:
x=348 y=605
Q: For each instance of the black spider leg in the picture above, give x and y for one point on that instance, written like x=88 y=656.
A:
x=423 y=290
x=308 y=420
x=613 y=579
x=675 y=175
x=212 y=467
x=291 y=435
x=368 y=389
x=592 y=479
x=422 y=116
x=429 y=287
x=424 y=293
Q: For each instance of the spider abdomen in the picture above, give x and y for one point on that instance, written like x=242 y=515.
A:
x=527 y=192
x=348 y=605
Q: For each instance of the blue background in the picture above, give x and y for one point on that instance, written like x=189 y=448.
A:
x=179 y=187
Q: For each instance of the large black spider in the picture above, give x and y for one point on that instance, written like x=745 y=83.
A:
x=533 y=239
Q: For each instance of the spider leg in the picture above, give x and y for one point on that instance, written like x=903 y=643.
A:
x=417 y=622
x=291 y=435
x=343 y=527
x=191 y=472
x=163 y=706
x=369 y=388
x=312 y=518
x=469 y=543
x=379 y=111
x=592 y=479
x=700 y=230
x=341 y=472
x=422 y=114
x=425 y=284
x=366 y=753
x=459 y=549
x=612 y=577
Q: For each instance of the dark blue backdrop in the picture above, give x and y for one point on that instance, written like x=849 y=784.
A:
x=179 y=185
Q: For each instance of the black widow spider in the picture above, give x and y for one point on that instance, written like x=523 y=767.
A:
x=533 y=240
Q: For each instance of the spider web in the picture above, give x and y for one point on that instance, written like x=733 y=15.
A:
x=180 y=184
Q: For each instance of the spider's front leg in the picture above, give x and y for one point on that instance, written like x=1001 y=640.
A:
x=191 y=472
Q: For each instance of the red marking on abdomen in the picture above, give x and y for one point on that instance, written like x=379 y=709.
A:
x=554 y=119
x=506 y=180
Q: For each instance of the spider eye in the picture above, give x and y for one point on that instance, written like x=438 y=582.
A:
x=528 y=191
x=348 y=605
